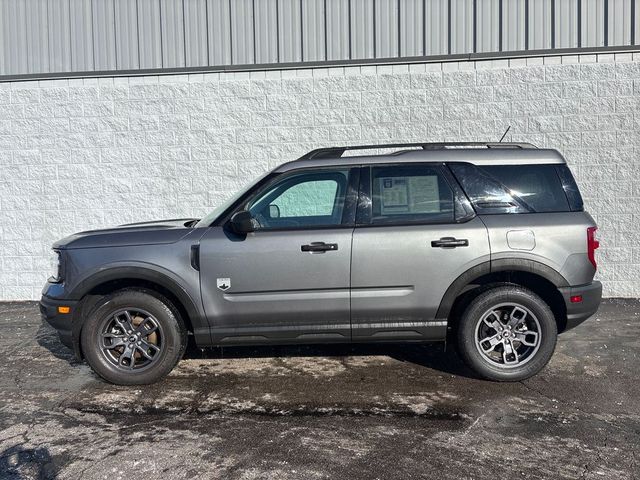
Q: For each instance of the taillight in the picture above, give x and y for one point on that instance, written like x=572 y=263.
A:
x=592 y=245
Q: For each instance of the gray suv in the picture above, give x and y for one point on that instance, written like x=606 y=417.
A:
x=486 y=244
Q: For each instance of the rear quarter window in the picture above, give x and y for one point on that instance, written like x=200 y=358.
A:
x=495 y=189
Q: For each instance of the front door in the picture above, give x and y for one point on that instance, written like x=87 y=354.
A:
x=289 y=280
x=416 y=234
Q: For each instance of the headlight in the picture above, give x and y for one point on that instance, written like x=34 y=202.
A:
x=56 y=272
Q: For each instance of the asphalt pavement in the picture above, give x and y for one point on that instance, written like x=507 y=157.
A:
x=346 y=412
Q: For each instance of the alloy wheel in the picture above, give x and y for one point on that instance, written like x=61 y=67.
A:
x=131 y=339
x=508 y=335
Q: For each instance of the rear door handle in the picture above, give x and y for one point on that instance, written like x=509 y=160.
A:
x=319 y=247
x=450 y=242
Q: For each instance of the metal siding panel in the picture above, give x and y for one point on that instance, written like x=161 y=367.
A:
x=337 y=30
x=539 y=24
x=266 y=18
x=619 y=24
x=126 y=32
x=59 y=36
x=196 y=45
x=41 y=36
x=362 y=39
x=513 y=29
x=314 y=30
x=290 y=30
x=219 y=32
x=172 y=33
x=636 y=23
x=149 y=36
x=411 y=28
x=15 y=36
x=37 y=36
x=81 y=35
x=4 y=40
x=104 y=35
x=488 y=26
x=635 y=28
x=592 y=23
x=566 y=24
x=386 y=28
x=461 y=26
x=436 y=24
x=242 y=51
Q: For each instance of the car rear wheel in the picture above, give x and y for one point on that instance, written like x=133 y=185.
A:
x=507 y=333
x=133 y=337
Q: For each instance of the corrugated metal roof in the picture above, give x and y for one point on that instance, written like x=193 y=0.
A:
x=53 y=36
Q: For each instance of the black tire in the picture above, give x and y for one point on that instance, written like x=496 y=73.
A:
x=495 y=304
x=168 y=337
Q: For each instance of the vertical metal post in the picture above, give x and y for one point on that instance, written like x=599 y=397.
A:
x=349 y=32
x=449 y=27
x=230 y=34
x=553 y=23
x=500 y=25
x=424 y=27
x=326 y=49
x=475 y=26
x=206 y=16
x=526 y=24
x=399 y=26
x=579 y=2
x=633 y=22
x=375 y=36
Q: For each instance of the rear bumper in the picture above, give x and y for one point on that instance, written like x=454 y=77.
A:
x=62 y=322
x=580 y=311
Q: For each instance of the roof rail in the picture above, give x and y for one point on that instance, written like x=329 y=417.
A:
x=336 y=152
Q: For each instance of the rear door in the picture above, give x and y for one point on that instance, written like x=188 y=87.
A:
x=415 y=234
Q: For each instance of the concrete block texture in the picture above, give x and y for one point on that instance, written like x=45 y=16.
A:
x=78 y=155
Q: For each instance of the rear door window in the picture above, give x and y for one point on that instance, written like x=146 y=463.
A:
x=495 y=189
x=410 y=194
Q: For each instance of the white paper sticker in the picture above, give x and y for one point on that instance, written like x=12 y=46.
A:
x=414 y=194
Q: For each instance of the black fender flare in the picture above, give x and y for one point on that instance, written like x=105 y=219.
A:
x=145 y=273
x=494 y=266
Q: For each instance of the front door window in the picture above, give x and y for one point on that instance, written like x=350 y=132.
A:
x=302 y=200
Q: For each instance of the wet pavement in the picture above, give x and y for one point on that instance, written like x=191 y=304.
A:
x=400 y=411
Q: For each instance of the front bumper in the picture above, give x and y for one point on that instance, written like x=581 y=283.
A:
x=579 y=312
x=62 y=322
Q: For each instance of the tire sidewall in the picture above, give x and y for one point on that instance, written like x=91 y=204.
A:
x=483 y=303
x=173 y=341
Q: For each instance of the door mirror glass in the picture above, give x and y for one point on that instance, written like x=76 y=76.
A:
x=242 y=222
x=274 y=211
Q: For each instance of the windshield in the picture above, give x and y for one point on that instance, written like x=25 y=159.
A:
x=211 y=217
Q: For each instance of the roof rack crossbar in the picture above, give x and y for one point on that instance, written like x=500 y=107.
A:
x=333 y=152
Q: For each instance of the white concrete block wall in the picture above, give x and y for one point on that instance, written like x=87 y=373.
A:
x=88 y=153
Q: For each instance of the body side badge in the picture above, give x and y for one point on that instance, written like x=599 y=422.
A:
x=223 y=284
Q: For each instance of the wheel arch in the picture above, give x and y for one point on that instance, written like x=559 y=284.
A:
x=537 y=277
x=101 y=283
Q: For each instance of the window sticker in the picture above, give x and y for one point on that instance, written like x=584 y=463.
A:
x=424 y=194
x=413 y=194
x=395 y=195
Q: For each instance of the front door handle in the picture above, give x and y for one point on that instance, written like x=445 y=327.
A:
x=319 y=247
x=450 y=242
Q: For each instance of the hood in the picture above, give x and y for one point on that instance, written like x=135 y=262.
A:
x=145 y=233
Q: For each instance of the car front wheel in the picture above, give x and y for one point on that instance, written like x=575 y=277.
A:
x=507 y=333
x=133 y=337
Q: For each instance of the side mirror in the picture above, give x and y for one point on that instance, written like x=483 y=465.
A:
x=242 y=222
x=274 y=211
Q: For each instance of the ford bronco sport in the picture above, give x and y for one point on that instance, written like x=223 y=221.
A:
x=484 y=243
